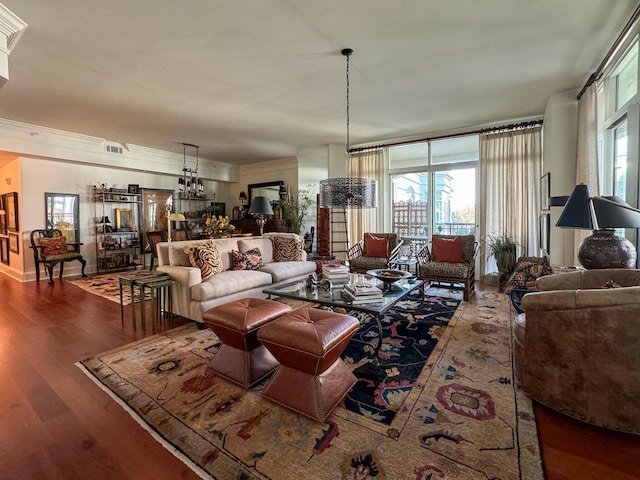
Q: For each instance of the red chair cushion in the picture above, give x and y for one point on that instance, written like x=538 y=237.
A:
x=375 y=246
x=447 y=249
x=54 y=246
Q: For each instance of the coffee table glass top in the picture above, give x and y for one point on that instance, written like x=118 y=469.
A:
x=333 y=297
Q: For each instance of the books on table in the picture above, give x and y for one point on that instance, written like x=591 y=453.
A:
x=338 y=274
x=362 y=293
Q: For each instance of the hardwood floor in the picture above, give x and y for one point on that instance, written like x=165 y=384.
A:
x=55 y=423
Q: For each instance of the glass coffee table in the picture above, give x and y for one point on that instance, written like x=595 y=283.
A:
x=333 y=297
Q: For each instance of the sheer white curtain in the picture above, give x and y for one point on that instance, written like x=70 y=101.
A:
x=368 y=164
x=510 y=169
x=587 y=154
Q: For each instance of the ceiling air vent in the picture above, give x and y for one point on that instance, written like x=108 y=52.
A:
x=114 y=149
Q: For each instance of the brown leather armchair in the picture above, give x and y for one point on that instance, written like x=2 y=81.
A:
x=375 y=251
x=576 y=346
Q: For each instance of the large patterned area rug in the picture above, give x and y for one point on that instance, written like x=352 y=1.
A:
x=441 y=404
x=107 y=285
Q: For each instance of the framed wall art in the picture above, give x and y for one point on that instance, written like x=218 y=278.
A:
x=123 y=219
x=545 y=221
x=134 y=189
x=14 y=242
x=545 y=189
x=10 y=201
x=4 y=250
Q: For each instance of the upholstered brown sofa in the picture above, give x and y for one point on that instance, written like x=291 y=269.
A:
x=577 y=346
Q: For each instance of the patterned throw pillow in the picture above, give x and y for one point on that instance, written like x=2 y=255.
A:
x=375 y=246
x=249 y=260
x=54 y=246
x=528 y=270
x=447 y=249
x=206 y=257
x=287 y=249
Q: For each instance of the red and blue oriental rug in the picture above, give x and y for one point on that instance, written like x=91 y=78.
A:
x=440 y=404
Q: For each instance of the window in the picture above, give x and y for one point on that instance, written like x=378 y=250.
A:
x=434 y=186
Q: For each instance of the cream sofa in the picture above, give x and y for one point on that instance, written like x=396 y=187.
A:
x=192 y=296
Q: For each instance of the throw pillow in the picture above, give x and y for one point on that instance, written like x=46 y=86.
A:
x=206 y=257
x=527 y=271
x=287 y=249
x=53 y=246
x=611 y=284
x=249 y=260
x=447 y=250
x=375 y=246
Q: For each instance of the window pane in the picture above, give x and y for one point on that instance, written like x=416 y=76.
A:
x=620 y=161
x=411 y=155
x=410 y=195
x=454 y=150
x=455 y=202
x=627 y=79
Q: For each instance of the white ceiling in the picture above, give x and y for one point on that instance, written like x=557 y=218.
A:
x=250 y=80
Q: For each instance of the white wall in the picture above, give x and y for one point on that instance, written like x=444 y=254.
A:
x=560 y=134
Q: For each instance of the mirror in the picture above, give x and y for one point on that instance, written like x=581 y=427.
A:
x=62 y=211
x=268 y=189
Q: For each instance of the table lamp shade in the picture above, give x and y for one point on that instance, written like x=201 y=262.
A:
x=261 y=206
x=577 y=212
x=613 y=212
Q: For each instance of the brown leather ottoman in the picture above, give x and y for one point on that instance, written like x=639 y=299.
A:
x=241 y=358
x=312 y=378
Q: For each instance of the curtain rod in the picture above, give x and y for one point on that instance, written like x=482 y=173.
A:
x=595 y=76
x=488 y=130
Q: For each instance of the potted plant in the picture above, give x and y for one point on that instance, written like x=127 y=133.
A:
x=295 y=209
x=502 y=247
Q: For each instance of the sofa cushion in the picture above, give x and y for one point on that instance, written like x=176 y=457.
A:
x=287 y=249
x=264 y=244
x=250 y=260
x=280 y=271
x=229 y=282
x=177 y=256
x=375 y=246
x=448 y=250
x=205 y=256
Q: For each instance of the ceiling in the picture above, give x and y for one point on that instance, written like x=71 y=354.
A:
x=250 y=80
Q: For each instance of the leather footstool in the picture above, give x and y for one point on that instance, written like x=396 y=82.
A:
x=312 y=378
x=241 y=358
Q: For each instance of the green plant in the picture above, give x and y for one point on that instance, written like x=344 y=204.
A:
x=295 y=209
x=502 y=247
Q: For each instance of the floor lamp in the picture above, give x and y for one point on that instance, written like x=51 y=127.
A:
x=172 y=217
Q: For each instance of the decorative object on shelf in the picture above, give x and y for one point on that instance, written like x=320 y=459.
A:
x=261 y=206
x=282 y=191
x=104 y=225
x=216 y=227
x=601 y=249
x=133 y=189
x=190 y=185
x=348 y=192
x=172 y=217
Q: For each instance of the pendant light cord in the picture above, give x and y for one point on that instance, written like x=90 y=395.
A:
x=347 y=53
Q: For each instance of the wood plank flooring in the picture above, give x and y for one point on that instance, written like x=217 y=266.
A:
x=55 y=423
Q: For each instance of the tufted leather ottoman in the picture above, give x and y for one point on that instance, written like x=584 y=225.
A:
x=241 y=358
x=312 y=378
